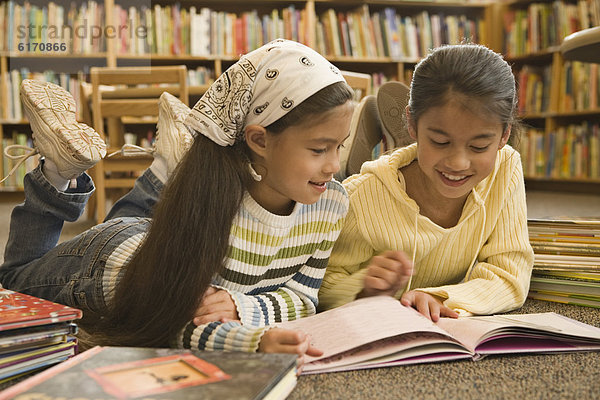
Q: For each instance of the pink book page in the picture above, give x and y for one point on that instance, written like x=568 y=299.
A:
x=397 y=350
x=360 y=322
x=473 y=331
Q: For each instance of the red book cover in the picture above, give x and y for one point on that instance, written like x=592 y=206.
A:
x=240 y=37
x=19 y=310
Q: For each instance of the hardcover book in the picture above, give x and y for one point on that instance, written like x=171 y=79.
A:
x=379 y=332
x=18 y=310
x=34 y=333
x=136 y=372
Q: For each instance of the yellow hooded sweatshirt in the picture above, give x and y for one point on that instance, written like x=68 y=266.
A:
x=482 y=265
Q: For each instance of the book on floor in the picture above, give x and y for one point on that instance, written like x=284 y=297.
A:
x=566 y=265
x=379 y=332
x=34 y=333
x=36 y=336
x=21 y=362
x=18 y=310
x=565 y=244
x=136 y=372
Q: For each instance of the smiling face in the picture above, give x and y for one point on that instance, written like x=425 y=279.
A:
x=457 y=148
x=297 y=163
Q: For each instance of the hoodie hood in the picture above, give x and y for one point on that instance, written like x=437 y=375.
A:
x=386 y=167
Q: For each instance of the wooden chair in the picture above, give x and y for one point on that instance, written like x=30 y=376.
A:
x=134 y=95
x=361 y=83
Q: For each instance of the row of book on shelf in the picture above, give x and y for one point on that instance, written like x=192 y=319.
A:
x=543 y=25
x=173 y=29
x=571 y=151
x=13 y=110
x=386 y=33
x=579 y=88
x=567 y=260
x=77 y=29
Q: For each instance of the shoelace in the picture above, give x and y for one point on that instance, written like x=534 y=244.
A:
x=131 y=150
x=126 y=150
x=29 y=151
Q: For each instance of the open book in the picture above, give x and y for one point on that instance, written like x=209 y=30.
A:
x=380 y=332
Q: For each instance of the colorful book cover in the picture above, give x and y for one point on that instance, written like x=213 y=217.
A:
x=21 y=361
x=18 y=310
x=565 y=286
x=577 y=300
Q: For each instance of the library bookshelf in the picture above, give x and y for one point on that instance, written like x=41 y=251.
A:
x=558 y=99
x=383 y=38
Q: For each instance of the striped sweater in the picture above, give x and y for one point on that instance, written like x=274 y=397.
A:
x=273 y=271
x=480 y=266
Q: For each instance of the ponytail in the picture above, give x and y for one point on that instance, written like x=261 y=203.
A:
x=162 y=285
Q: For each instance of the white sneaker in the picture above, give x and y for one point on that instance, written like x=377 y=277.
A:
x=173 y=138
x=73 y=146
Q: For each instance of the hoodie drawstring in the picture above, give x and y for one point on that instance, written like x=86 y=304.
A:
x=480 y=202
x=414 y=253
x=479 y=242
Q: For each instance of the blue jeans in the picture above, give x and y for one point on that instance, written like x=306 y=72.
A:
x=70 y=273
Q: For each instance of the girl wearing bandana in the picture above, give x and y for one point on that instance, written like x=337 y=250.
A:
x=237 y=239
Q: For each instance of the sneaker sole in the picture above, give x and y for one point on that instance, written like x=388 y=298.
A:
x=365 y=133
x=392 y=99
x=174 y=110
x=58 y=132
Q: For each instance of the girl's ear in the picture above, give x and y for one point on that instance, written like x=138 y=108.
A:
x=256 y=139
x=505 y=137
x=410 y=124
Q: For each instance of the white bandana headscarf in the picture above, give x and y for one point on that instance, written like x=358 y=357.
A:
x=259 y=89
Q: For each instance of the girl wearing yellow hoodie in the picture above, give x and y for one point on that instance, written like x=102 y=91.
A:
x=442 y=224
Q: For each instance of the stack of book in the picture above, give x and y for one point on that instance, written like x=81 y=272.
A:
x=567 y=261
x=34 y=334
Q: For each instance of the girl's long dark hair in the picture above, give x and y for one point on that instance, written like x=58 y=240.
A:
x=162 y=285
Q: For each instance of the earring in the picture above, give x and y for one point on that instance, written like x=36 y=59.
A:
x=255 y=175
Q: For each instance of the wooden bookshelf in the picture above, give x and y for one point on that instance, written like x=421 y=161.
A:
x=571 y=118
x=311 y=14
x=308 y=13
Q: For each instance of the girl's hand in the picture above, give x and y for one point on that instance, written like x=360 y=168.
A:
x=428 y=305
x=279 y=340
x=216 y=305
x=386 y=274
